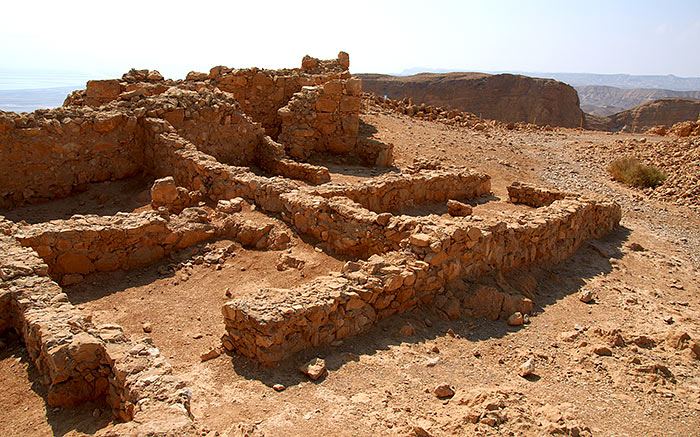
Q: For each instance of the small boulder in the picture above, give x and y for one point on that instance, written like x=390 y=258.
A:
x=211 y=354
x=585 y=296
x=147 y=327
x=164 y=191
x=314 y=369
x=602 y=351
x=407 y=330
x=443 y=391
x=458 y=209
x=278 y=387
x=516 y=319
x=527 y=368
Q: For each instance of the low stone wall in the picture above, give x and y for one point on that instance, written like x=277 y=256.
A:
x=353 y=218
x=82 y=245
x=395 y=192
x=274 y=324
x=272 y=158
x=79 y=361
x=168 y=154
x=532 y=195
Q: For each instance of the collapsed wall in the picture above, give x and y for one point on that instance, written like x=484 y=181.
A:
x=263 y=92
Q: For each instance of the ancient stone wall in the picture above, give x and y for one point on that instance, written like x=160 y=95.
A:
x=79 y=361
x=82 y=245
x=394 y=192
x=535 y=196
x=262 y=93
x=48 y=154
x=354 y=219
x=323 y=118
x=272 y=325
x=210 y=119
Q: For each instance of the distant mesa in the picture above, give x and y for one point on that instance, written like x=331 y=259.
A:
x=505 y=97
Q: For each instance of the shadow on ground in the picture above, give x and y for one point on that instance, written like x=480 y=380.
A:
x=86 y=419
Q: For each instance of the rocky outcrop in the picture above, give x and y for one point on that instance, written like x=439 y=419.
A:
x=662 y=112
x=504 y=97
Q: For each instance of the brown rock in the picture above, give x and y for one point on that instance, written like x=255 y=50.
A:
x=458 y=209
x=695 y=350
x=420 y=240
x=516 y=319
x=73 y=263
x=314 y=369
x=211 y=354
x=407 y=330
x=164 y=191
x=585 y=296
x=444 y=391
x=602 y=351
x=147 y=327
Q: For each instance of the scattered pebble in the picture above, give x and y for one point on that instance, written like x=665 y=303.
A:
x=585 y=296
x=527 y=368
x=444 y=391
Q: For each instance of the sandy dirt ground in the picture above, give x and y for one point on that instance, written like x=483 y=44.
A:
x=619 y=365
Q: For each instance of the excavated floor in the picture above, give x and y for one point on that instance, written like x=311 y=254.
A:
x=100 y=198
x=183 y=305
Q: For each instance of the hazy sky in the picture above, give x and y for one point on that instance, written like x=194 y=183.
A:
x=108 y=38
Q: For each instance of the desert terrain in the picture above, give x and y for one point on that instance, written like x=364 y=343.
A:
x=611 y=346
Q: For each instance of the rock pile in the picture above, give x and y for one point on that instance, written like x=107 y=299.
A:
x=443 y=114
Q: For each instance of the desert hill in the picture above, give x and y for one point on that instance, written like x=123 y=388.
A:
x=504 y=97
x=607 y=100
x=664 y=112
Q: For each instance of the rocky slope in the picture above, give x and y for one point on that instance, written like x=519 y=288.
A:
x=504 y=97
x=607 y=100
x=664 y=112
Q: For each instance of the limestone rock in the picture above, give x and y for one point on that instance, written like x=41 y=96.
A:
x=314 y=369
x=527 y=368
x=458 y=209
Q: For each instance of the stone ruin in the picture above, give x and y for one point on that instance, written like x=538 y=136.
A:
x=214 y=142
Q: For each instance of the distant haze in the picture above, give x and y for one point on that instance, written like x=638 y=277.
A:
x=174 y=37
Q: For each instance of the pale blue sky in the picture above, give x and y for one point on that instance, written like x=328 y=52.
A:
x=108 y=38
